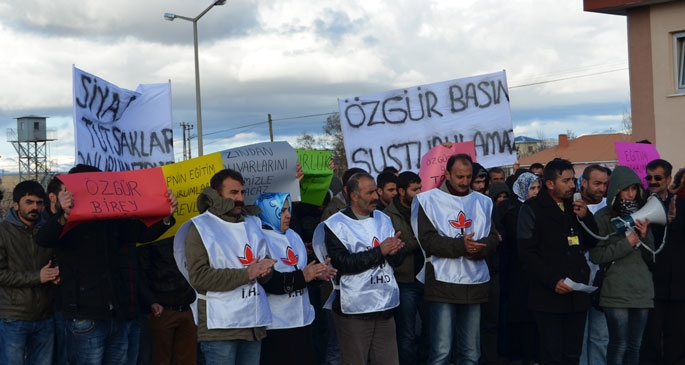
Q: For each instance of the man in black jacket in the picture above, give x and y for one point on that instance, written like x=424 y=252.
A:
x=172 y=331
x=100 y=291
x=551 y=243
x=27 y=279
x=361 y=242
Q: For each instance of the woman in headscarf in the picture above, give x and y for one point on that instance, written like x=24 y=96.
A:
x=521 y=337
x=288 y=338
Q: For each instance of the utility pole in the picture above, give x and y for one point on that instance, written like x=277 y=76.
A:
x=187 y=152
x=271 y=128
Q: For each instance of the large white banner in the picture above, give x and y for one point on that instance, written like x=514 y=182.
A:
x=396 y=128
x=118 y=129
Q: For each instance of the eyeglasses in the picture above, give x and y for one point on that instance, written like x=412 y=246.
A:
x=655 y=177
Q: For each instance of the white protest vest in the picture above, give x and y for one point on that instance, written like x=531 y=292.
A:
x=454 y=216
x=319 y=247
x=375 y=289
x=234 y=246
x=292 y=309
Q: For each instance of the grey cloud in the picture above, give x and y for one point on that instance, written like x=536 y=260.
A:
x=334 y=25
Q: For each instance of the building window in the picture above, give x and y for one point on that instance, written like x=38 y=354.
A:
x=679 y=50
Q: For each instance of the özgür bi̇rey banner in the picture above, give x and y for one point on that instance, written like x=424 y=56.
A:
x=397 y=127
x=118 y=129
x=138 y=194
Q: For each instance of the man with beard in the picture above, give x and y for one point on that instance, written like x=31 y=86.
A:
x=453 y=225
x=26 y=282
x=594 y=184
x=233 y=310
x=658 y=179
x=411 y=290
x=551 y=243
x=667 y=319
x=387 y=188
x=480 y=180
x=362 y=245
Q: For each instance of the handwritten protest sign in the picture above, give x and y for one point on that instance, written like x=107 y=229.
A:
x=117 y=195
x=118 y=129
x=395 y=128
x=636 y=156
x=187 y=179
x=432 y=172
x=266 y=167
x=317 y=175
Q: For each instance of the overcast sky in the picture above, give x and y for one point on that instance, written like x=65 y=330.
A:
x=566 y=69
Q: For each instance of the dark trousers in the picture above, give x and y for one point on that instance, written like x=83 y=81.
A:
x=366 y=341
x=174 y=337
x=489 y=319
x=561 y=336
x=665 y=330
x=292 y=346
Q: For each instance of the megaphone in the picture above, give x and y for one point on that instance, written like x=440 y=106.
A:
x=652 y=210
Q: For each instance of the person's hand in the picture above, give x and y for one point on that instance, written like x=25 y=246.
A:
x=562 y=288
x=313 y=270
x=48 y=273
x=447 y=144
x=580 y=208
x=391 y=245
x=66 y=201
x=299 y=173
x=331 y=164
x=329 y=273
x=156 y=309
x=472 y=247
x=260 y=268
x=633 y=238
x=173 y=203
x=641 y=227
x=516 y=165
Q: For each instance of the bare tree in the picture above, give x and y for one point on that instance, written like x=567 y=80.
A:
x=331 y=140
x=333 y=131
x=627 y=122
x=571 y=135
x=307 y=142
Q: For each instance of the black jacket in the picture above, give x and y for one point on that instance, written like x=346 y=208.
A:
x=669 y=267
x=168 y=286
x=99 y=270
x=354 y=263
x=543 y=231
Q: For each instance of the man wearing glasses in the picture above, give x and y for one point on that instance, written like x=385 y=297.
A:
x=658 y=180
x=669 y=298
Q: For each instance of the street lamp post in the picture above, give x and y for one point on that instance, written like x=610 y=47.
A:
x=198 y=103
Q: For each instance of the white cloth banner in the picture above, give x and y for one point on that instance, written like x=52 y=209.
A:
x=396 y=128
x=266 y=167
x=117 y=129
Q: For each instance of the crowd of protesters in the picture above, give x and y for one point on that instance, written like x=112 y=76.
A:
x=486 y=268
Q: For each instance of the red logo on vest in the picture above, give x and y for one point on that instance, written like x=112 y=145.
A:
x=291 y=259
x=461 y=222
x=249 y=256
x=376 y=242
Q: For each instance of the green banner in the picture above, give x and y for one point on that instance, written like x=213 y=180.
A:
x=317 y=175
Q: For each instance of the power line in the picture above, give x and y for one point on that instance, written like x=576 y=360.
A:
x=568 y=78
x=322 y=114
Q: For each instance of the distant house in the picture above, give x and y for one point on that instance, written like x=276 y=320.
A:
x=656 y=58
x=582 y=151
x=526 y=146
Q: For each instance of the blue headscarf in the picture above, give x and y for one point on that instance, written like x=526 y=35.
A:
x=271 y=205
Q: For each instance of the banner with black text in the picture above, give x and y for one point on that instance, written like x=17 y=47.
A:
x=118 y=129
x=396 y=128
